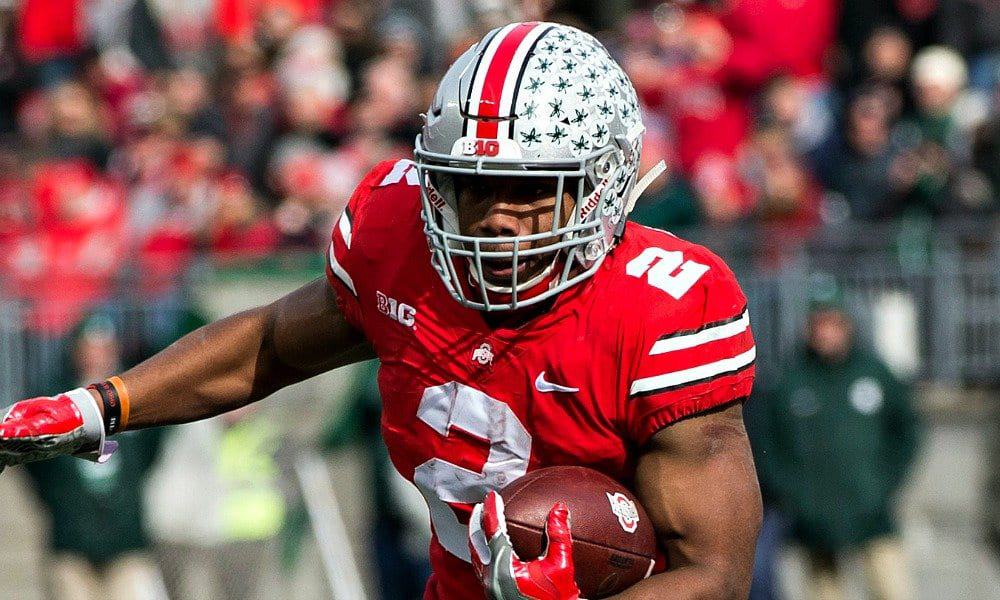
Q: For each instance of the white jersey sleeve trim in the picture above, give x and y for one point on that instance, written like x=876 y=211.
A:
x=344 y=224
x=403 y=168
x=668 y=381
x=711 y=334
x=340 y=272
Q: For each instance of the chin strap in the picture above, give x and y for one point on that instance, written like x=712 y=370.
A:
x=643 y=183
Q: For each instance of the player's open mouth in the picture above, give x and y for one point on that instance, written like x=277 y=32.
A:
x=499 y=271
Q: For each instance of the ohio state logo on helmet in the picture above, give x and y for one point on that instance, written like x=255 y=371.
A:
x=625 y=510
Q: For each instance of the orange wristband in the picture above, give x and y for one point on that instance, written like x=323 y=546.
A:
x=124 y=397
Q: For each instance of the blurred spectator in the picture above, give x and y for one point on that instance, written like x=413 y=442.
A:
x=251 y=122
x=784 y=193
x=886 y=62
x=939 y=77
x=224 y=471
x=68 y=261
x=305 y=207
x=239 y=230
x=313 y=83
x=52 y=36
x=860 y=162
x=788 y=103
x=78 y=128
x=668 y=203
x=98 y=546
x=836 y=442
x=189 y=102
x=937 y=136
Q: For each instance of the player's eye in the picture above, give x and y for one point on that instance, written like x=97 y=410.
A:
x=473 y=189
x=530 y=190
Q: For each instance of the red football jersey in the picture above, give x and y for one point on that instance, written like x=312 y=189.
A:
x=658 y=333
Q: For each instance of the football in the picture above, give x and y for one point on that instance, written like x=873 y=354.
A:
x=614 y=544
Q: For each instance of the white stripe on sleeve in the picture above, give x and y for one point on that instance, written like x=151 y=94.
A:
x=340 y=272
x=694 y=374
x=344 y=224
x=712 y=334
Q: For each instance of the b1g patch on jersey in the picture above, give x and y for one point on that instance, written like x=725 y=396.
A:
x=625 y=510
x=402 y=313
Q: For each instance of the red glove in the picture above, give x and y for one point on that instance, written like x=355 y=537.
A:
x=503 y=574
x=42 y=428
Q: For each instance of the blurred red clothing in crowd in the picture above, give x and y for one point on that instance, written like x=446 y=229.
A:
x=769 y=37
x=51 y=28
x=737 y=49
x=235 y=20
x=703 y=69
x=240 y=230
x=70 y=259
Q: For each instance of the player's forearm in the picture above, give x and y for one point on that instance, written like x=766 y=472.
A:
x=243 y=358
x=215 y=369
x=694 y=582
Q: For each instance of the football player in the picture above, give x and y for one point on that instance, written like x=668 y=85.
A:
x=521 y=322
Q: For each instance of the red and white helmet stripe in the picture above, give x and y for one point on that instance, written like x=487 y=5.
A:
x=497 y=76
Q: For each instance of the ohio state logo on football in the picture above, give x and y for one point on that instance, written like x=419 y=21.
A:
x=625 y=510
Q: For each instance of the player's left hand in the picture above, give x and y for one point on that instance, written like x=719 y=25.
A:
x=507 y=577
x=46 y=427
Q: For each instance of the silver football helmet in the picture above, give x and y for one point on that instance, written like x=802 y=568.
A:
x=538 y=100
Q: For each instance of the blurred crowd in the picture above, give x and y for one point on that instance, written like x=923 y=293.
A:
x=137 y=135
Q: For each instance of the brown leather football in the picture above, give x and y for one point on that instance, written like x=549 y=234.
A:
x=614 y=544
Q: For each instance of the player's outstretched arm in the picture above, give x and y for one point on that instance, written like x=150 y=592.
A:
x=244 y=358
x=697 y=481
x=215 y=369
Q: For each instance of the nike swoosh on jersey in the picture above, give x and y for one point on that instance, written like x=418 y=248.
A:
x=547 y=386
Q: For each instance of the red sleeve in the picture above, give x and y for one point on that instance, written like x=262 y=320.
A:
x=348 y=235
x=694 y=356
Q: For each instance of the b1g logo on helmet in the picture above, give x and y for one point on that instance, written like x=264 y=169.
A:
x=477 y=147
x=485 y=147
x=625 y=510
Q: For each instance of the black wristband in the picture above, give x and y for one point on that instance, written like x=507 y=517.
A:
x=112 y=405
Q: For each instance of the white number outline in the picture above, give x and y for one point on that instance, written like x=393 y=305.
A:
x=658 y=265
x=440 y=482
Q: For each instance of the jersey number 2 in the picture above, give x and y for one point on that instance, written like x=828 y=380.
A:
x=666 y=270
x=454 y=405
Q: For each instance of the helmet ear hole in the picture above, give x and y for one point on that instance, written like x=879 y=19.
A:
x=605 y=165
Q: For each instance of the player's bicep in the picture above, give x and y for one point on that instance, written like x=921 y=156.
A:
x=311 y=334
x=697 y=481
